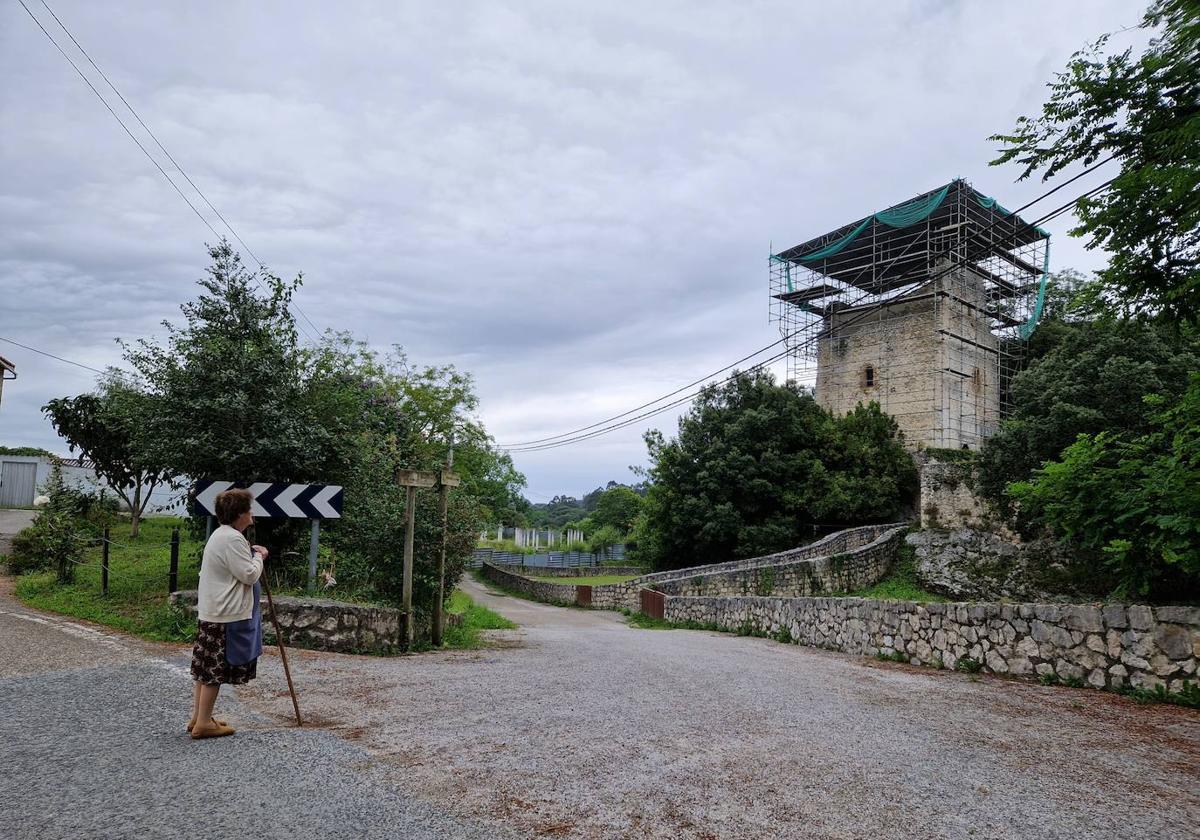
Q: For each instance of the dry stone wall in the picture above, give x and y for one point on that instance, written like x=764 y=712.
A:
x=1103 y=646
x=324 y=624
x=562 y=594
x=829 y=572
x=570 y=571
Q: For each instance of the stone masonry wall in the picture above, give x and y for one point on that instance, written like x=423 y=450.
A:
x=837 y=543
x=830 y=572
x=570 y=571
x=323 y=624
x=562 y=594
x=1102 y=645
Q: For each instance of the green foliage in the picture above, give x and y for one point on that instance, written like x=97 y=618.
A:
x=968 y=665
x=1094 y=379
x=783 y=636
x=26 y=451
x=604 y=538
x=1188 y=696
x=617 y=508
x=901 y=583
x=1141 y=111
x=1130 y=502
x=137 y=599
x=765 y=582
x=756 y=464
x=231 y=394
x=466 y=633
x=645 y=622
x=104 y=427
x=55 y=539
x=894 y=656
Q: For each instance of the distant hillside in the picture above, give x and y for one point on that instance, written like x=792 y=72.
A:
x=561 y=510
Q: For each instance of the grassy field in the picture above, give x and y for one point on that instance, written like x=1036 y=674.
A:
x=467 y=636
x=137 y=583
x=594 y=580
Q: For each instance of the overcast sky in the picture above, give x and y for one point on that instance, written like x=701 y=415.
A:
x=572 y=201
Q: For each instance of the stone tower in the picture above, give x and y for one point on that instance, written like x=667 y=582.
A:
x=921 y=307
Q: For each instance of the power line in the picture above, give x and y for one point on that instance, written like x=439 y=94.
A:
x=616 y=426
x=116 y=374
x=534 y=443
x=153 y=136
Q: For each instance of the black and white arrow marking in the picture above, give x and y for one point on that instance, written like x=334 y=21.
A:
x=277 y=501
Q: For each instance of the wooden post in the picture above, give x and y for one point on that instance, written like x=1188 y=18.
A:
x=410 y=518
x=444 y=484
x=104 y=566
x=173 y=580
x=287 y=672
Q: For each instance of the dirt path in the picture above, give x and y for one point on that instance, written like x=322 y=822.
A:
x=579 y=726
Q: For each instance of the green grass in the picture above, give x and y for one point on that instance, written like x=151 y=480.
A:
x=901 y=584
x=137 y=594
x=475 y=618
x=594 y=580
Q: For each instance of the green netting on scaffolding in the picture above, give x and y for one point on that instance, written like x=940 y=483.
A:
x=900 y=216
x=1026 y=329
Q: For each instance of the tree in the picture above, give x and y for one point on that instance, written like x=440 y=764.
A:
x=104 y=426
x=1094 y=379
x=617 y=508
x=755 y=465
x=1144 y=112
x=1129 y=504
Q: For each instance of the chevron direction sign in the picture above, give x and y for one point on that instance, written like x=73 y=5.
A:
x=277 y=501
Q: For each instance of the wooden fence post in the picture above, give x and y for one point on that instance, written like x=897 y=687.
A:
x=173 y=580
x=104 y=566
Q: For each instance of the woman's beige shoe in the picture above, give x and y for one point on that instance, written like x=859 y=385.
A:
x=213 y=730
x=192 y=723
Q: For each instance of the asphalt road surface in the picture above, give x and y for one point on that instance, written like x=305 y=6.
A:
x=93 y=745
x=576 y=725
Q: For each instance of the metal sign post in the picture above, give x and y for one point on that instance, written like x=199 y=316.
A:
x=312 y=555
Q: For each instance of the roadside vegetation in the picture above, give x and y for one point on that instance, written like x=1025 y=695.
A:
x=232 y=393
x=465 y=633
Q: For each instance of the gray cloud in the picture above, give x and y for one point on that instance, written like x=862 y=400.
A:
x=574 y=203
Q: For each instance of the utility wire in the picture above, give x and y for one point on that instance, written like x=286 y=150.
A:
x=614 y=427
x=1043 y=196
x=154 y=137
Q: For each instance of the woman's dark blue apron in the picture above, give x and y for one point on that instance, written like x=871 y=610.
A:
x=243 y=639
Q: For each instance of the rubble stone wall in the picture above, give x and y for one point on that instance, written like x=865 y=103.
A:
x=1107 y=645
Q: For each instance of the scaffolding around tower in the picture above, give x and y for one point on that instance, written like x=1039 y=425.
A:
x=923 y=307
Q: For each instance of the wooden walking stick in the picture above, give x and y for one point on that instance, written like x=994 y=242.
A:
x=282 y=651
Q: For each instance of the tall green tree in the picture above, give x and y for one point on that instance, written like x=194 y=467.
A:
x=1144 y=112
x=1093 y=379
x=105 y=428
x=617 y=508
x=755 y=465
x=1128 y=504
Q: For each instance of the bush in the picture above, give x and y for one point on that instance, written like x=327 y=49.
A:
x=52 y=541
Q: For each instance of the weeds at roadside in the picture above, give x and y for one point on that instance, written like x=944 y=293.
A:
x=968 y=665
x=1188 y=696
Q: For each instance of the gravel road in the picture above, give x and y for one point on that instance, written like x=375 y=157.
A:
x=92 y=745
x=580 y=726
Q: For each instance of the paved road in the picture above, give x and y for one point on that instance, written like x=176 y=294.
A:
x=92 y=745
x=11 y=522
x=583 y=727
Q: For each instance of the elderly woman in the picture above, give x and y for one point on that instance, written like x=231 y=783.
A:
x=229 y=634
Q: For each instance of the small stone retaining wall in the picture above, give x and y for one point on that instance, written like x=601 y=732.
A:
x=1101 y=645
x=848 y=564
x=562 y=594
x=324 y=624
x=570 y=571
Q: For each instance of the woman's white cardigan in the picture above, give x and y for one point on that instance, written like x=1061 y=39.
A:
x=227 y=575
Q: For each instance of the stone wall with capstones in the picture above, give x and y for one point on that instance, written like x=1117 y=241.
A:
x=1105 y=646
x=324 y=624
